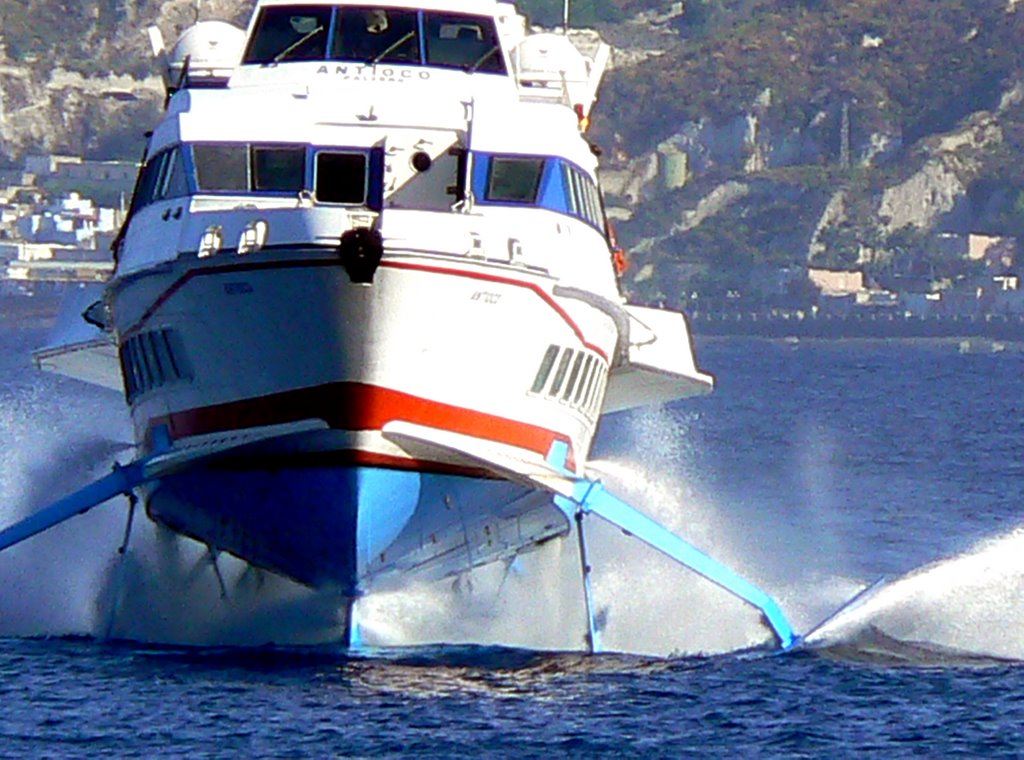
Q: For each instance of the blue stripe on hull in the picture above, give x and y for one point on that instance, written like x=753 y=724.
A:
x=344 y=527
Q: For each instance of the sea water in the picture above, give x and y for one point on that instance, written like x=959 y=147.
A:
x=814 y=469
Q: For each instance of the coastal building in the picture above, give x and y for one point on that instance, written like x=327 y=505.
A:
x=836 y=283
x=78 y=168
x=921 y=304
x=51 y=262
x=71 y=221
x=67 y=240
x=1005 y=296
x=993 y=250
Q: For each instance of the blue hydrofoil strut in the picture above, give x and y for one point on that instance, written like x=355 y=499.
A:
x=590 y=497
x=122 y=481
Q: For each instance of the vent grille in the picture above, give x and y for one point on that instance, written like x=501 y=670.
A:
x=573 y=377
x=150 y=360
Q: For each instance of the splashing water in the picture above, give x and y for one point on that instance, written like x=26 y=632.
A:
x=58 y=435
x=647 y=602
x=49 y=582
x=67 y=580
x=968 y=605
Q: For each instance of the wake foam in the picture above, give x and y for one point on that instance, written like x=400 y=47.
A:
x=964 y=608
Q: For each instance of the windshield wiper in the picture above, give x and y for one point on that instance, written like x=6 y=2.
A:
x=300 y=41
x=483 y=59
x=391 y=48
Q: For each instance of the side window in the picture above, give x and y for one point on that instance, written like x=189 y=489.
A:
x=150 y=360
x=278 y=169
x=570 y=189
x=584 y=200
x=174 y=182
x=289 y=33
x=514 y=180
x=597 y=214
x=148 y=181
x=589 y=194
x=221 y=167
x=341 y=178
x=377 y=35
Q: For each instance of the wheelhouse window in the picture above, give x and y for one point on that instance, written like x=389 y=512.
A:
x=465 y=42
x=372 y=34
x=376 y=35
x=174 y=183
x=146 y=186
x=514 y=180
x=278 y=169
x=221 y=168
x=289 y=33
x=163 y=176
x=341 y=178
x=543 y=182
x=336 y=175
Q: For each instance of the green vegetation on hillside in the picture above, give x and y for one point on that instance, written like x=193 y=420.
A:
x=917 y=65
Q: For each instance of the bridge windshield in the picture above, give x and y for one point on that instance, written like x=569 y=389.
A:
x=373 y=34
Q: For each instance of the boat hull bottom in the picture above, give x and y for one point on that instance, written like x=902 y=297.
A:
x=354 y=528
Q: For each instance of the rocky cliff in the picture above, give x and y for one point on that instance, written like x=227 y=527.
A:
x=77 y=77
x=838 y=134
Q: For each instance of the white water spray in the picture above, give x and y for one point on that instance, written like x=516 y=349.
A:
x=970 y=604
x=63 y=581
x=648 y=603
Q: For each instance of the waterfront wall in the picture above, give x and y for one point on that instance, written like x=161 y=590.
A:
x=868 y=325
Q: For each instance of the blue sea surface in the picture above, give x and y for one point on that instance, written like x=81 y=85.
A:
x=823 y=465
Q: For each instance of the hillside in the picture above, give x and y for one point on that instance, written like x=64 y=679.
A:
x=735 y=132
x=838 y=133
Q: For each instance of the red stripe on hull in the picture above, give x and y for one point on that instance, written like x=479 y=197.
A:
x=356 y=406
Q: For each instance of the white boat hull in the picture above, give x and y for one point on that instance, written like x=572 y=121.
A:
x=284 y=337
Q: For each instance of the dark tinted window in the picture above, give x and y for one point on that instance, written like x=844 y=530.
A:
x=278 y=169
x=465 y=42
x=569 y=188
x=378 y=35
x=148 y=181
x=584 y=380
x=341 y=178
x=221 y=167
x=514 y=179
x=290 y=33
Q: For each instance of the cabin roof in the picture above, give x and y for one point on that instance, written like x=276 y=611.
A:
x=319 y=117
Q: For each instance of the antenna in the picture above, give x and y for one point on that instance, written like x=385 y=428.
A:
x=565 y=16
x=199 y=6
